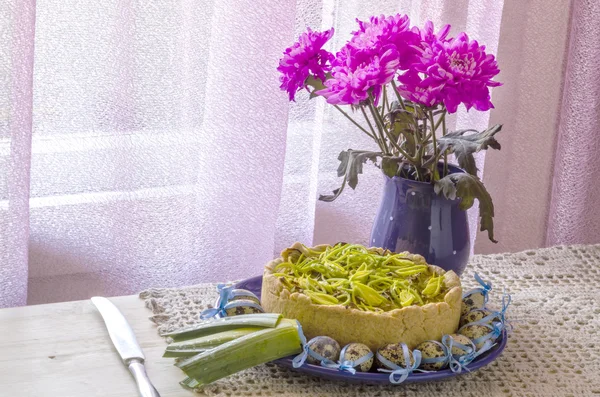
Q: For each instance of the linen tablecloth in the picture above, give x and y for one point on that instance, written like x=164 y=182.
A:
x=553 y=349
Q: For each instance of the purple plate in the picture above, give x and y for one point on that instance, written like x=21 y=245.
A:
x=254 y=284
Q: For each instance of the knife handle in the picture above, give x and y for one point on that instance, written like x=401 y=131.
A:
x=145 y=387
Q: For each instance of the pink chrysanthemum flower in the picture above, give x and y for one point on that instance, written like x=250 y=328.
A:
x=428 y=35
x=450 y=71
x=370 y=59
x=383 y=31
x=306 y=57
x=358 y=76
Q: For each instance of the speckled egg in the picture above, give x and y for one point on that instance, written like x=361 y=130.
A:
x=474 y=299
x=475 y=315
x=242 y=307
x=394 y=353
x=475 y=331
x=353 y=352
x=432 y=349
x=243 y=294
x=463 y=340
x=324 y=346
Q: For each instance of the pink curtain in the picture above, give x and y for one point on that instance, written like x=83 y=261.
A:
x=149 y=144
x=574 y=214
x=16 y=72
x=532 y=52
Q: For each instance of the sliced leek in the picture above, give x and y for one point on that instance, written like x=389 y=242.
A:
x=263 y=320
x=370 y=279
x=244 y=352
x=212 y=340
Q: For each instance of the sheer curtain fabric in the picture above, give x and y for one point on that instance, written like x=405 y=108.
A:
x=147 y=143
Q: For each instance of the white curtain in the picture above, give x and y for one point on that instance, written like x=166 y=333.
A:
x=154 y=147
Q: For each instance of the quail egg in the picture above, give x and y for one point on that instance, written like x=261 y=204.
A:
x=432 y=349
x=462 y=340
x=475 y=332
x=475 y=315
x=241 y=306
x=394 y=352
x=324 y=346
x=243 y=294
x=353 y=352
x=474 y=299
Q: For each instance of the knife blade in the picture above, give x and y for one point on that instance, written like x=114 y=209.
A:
x=125 y=342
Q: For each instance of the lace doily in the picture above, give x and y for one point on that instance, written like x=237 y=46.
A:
x=554 y=349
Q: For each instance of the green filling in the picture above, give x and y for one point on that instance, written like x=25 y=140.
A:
x=363 y=278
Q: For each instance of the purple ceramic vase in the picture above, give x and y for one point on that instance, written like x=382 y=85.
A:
x=412 y=217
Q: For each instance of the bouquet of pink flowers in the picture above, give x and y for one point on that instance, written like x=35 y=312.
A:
x=403 y=80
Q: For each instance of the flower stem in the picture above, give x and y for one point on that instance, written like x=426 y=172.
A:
x=354 y=122
x=398 y=94
x=443 y=117
x=441 y=120
x=383 y=101
x=434 y=170
x=390 y=138
x=379 y=125
x=374 y=134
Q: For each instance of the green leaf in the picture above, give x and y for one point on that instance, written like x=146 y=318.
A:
x=468 y=188
x=344 y=158
x=463 y=146
x=401 y=123
x=316 y=84
x=390 y=165
x=351 y=162
x=415 y=109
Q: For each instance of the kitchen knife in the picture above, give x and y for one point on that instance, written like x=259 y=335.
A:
x=127 y=346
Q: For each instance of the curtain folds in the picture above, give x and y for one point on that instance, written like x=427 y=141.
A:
x=16 y=74
x=531 y=53
x=574 y=212
x=149 y=144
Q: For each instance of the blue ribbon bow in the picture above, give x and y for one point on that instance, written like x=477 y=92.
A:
x=484 y=289
x=397 y=370
x=458 y=362
x=219 y=309
x=346 y=365
x=433 y=360
x=495 y=332
x=499 y=315
x=299 y=360
x=506 y=299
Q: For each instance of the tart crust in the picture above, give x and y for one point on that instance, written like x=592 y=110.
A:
x=411 y=325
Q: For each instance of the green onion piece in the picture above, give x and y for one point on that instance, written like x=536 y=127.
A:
x=360 y=276
x=368 y=294
x=183 y=353
x=406 y=298
x=264 y=320
x=433 y=287
x=321 y=299
x=409 y=271
x=245 y=352
x=210 y=341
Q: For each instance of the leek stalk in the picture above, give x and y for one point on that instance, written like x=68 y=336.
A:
x=244 y=352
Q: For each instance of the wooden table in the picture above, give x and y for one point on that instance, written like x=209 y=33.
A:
x=63 y=350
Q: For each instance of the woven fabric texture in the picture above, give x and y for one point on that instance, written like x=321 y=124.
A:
x=552 y=351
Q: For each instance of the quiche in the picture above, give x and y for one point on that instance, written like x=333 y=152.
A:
x=368 y=295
